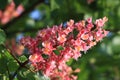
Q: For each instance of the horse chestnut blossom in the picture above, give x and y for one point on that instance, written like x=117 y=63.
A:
x=53 y=47
x=10 y=12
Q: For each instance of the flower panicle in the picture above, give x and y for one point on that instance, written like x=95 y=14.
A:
x=53 y=47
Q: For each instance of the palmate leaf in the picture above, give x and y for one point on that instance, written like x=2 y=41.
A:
x=7 y=63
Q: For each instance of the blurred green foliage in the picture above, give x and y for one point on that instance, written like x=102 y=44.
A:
x=102 y=62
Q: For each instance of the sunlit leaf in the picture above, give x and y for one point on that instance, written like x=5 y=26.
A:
x=22 y=58
x=54 y=5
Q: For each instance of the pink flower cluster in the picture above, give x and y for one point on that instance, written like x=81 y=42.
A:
x=10 y=12
x=53 y=47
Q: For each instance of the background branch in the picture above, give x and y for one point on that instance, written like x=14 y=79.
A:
x=6 y=26
x=36 y=29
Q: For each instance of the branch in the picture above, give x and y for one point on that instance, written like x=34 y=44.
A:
x=19 y=68
x=5 y=27
x=10 y=52
x=15 y=73
x=25 y=30
x=14 y=56
x=21 y=65
x=29 y=69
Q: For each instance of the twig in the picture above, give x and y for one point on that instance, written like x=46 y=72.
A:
x=26 y=30
x=29 y=69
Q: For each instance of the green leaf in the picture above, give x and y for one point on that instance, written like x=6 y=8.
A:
x=4 y=77
x=22 y=74
x=25 y=74
x=40 y=76
x=6 y=61
x=17 y=2
x=60 y=48
x=70 y=61
x=75 y=33
x=56 y=52
x=45 y=56
x=83 y=75
x=22 y=58
x=2 y=37
x=3 y=63
x=12 y=65
x=54 y=5
x=3 y=4
x=7 y=55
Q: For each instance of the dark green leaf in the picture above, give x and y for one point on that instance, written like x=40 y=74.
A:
x=6 y=61
x=3 y=4
x=25 y=74
x=2 y=37
x=60 y=48
x=17 y=2
x=45 y=56
x=12 y=65
x=3 y=64
x=56 y=52
x=75 y=33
